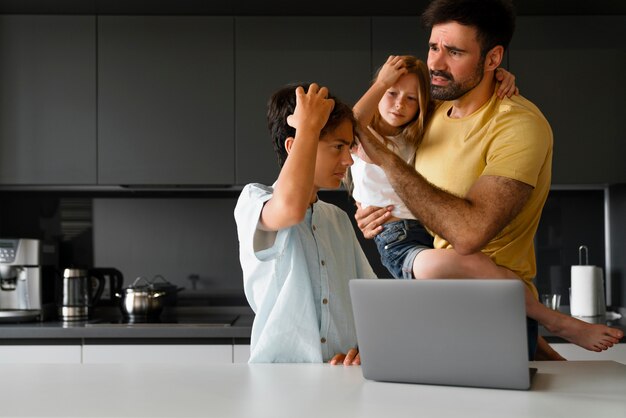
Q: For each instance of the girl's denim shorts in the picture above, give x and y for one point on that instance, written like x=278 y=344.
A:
x=398 y=245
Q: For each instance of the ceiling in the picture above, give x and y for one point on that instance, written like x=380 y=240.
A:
x=290 y=8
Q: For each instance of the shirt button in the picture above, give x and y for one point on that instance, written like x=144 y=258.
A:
x=323 y=262
x=314 y=228
x=324 y=301
x=323 y=340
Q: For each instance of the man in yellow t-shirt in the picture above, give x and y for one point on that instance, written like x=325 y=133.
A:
x=508 y=138
x=482 y=172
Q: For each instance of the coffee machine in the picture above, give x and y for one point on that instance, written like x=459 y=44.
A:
x=21 y=277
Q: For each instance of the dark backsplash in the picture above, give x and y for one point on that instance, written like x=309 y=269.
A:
x=178 y=235
x=569 y=220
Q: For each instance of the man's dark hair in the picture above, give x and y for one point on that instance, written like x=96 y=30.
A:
x=494 y=20
x=283 y=103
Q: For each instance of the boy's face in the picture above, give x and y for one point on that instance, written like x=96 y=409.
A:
x=333 y=156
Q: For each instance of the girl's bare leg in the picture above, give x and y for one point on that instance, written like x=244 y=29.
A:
x=448 y=264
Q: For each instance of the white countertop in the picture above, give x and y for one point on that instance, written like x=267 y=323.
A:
x=560 y=389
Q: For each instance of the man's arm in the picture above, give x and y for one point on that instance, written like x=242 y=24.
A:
x=467 y=223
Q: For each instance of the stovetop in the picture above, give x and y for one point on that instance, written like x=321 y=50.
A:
x=167 y=320
x=169 y=317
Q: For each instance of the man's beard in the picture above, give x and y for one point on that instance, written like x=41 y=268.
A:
x=455 y=89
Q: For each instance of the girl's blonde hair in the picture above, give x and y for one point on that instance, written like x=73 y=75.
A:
x=414 y=129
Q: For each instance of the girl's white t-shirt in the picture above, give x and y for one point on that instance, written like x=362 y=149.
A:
x=371 y=186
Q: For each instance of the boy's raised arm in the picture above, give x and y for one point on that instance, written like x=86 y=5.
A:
x=295 y=190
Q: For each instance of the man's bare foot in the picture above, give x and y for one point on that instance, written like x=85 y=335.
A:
x=593 y=337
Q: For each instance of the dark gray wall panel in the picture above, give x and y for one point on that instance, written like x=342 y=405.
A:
x=273 y=51
x=398 y=36
x=47 y=100
x=171 y=237
x=617 y=224
x=572 y=68
x=165 y=100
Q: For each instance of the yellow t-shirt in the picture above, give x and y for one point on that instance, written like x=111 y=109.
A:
x=509 y=138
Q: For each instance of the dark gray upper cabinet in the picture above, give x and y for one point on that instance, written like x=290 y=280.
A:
x=47 y=100
x=274 y=51
x=573 y=69
x=165 y=100
x=398 y=36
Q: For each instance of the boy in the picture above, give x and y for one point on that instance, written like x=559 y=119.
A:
x=297 y=252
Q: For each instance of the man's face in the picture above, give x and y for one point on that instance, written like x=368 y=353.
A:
x=454 y=60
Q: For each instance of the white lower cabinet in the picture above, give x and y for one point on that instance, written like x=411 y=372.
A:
x=155 y=353
x=40 y=353
x=241 y=353
x=574 y=352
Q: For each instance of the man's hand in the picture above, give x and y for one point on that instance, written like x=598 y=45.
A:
x=353 y=358
x=373 y=146
x=371 y=219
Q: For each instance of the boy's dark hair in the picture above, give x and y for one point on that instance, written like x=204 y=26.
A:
x=494 y=20
x=283 y=103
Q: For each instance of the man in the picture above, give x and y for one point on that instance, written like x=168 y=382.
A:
x=482 y=172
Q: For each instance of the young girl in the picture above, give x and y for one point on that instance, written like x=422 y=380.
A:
x=396 y=109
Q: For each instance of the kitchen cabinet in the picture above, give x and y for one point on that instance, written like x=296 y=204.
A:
x=571 y=68
x=397 y=35
x=40 y=354
x=158 y=353
x=273 y=51
x=47 y=100
x=165 y=100
x=576 y=353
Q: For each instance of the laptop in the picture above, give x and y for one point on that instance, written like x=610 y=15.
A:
x=459 y=332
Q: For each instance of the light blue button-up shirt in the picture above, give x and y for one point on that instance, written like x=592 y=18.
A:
x=296 y=281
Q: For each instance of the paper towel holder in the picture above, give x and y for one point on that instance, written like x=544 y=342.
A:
x=580 y=255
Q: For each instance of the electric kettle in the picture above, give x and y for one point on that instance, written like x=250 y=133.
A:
x=81 y=289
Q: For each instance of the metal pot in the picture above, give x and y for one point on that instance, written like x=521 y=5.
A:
x=170 y=298
x=141 y=300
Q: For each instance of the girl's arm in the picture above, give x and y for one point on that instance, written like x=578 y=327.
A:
x=390 y=72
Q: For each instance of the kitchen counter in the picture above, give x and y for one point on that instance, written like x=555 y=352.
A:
x=189 y=323
x=207 y=322
x=564 y=389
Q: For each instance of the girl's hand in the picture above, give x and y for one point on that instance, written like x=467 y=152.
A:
x=391 y=71
x=507 y=83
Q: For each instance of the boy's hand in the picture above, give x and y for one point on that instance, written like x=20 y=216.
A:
x=353 y=358
x=312 y=109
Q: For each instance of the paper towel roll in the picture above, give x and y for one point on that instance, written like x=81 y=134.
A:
x=587 y=292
